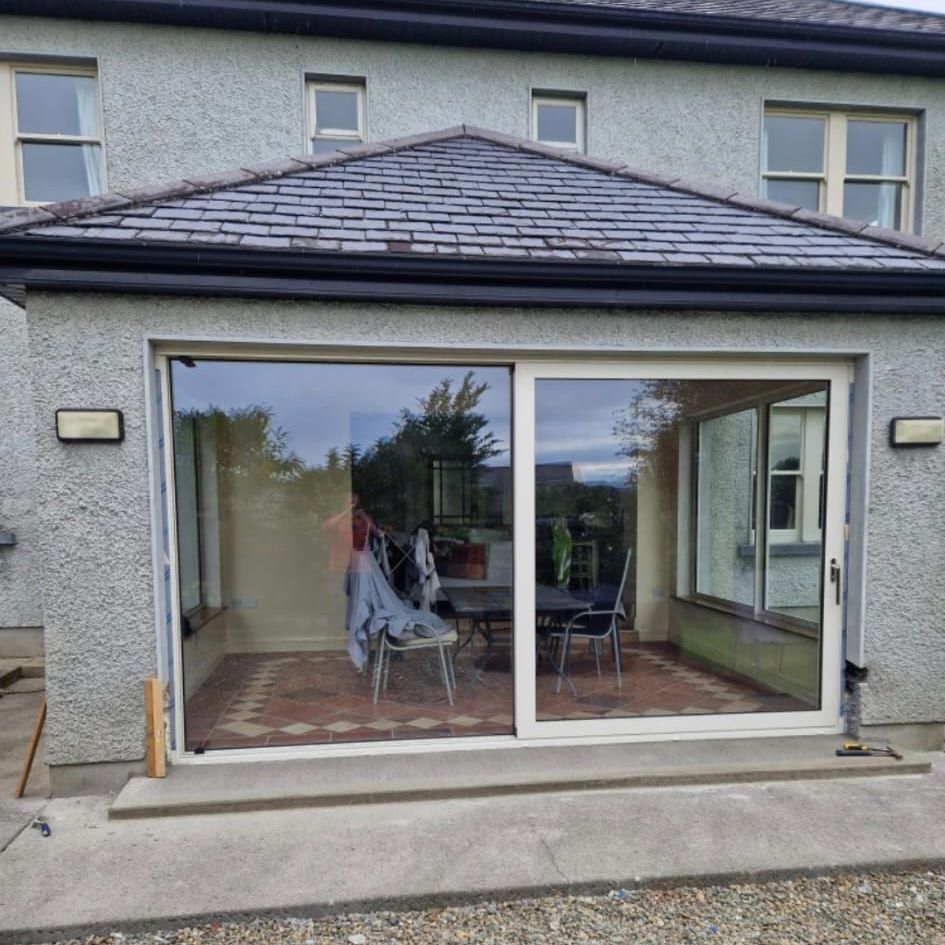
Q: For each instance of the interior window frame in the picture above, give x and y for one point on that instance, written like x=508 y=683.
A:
x=761 y=540
x=834 y=175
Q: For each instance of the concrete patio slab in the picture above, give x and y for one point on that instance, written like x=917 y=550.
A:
x=326 y=782
x=99 y=875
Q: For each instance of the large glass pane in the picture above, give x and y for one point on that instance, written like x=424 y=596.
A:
x=876 y=204
x=56 y=104
x=334 y=519
x=725 y=482
x=54 y=172
x=646 y=560
x=794 y=144
x=876 y=147
x=800 y=193
x=336 y=111
x=557 y=123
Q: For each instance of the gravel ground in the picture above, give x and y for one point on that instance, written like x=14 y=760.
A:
x=881 y=908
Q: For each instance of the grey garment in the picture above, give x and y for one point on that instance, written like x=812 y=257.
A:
x=373 y=607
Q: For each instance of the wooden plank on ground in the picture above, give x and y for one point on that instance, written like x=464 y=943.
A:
x=31 y=751
x=154 y=728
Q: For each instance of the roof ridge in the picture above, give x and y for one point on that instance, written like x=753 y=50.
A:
x=74 y=210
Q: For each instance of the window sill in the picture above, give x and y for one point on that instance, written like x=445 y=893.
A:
x=766 y=618
x=785 y=549
x=200 y=617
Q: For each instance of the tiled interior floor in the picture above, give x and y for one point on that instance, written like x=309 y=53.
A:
x=270 y=699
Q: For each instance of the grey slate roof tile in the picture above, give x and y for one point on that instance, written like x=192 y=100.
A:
x=817 y=12
x=475 y=193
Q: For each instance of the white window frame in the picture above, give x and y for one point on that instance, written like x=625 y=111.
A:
x=808 y=474
x=577 y=101
x=313 y=132
x=833 y=175
x=527 y=369
x=12 y=180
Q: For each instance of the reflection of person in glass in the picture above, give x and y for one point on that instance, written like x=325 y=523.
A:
x=346 y=531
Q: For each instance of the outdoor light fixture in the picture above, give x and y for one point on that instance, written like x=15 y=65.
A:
x=916 y=431
x=90 y=426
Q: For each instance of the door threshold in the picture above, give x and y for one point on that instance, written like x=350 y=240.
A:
x=374 y=779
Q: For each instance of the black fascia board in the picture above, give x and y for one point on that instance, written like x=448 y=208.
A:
x=62 y=264
x=540 y=27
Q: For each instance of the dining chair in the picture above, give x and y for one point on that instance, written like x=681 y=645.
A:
x=390 y=645
x=595 y=624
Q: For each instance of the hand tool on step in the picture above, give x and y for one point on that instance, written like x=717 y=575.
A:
x=861 y=749
x=40 y=824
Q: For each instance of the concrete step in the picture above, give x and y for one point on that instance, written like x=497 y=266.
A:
x=226 y=787
x=20 y=667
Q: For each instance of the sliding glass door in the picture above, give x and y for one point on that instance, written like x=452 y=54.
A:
x=343 y=551
x=376 y=552
x=679 y=525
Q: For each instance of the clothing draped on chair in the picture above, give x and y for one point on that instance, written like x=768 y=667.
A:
x=373 y=606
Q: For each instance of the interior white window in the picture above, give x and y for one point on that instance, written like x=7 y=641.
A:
x=336 y=115
x=850 y=164
x=51 y=127
x=559 y=121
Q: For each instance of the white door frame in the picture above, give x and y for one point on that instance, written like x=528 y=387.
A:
x=747 y=365
x=839 y=377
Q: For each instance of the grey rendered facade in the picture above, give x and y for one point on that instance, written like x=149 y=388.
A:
x=179 y=101
x=95 y=688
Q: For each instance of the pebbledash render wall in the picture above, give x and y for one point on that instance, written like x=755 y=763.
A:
x=179 y=101
x=93 y=501
x=21 y=613
x=182 y=101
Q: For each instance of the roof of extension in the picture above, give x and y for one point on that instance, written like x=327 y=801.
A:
x=810 y=34
x=817 y=12
x=469 y=192
x=464 y=197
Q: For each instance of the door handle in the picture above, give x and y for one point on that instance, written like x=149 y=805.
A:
x=835 y=578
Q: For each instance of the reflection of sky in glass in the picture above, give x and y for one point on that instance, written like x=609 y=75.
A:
x=331 y=405
x=574 y=423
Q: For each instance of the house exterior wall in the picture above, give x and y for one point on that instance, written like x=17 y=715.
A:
x=94 y=506
x=20 y=601
x=179 y=101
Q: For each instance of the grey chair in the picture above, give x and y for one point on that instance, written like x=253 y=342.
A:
x=596 y=624
x=389 y=645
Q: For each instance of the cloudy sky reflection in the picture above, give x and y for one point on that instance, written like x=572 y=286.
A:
x=331 y=405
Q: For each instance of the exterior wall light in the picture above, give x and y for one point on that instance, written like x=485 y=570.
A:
x=916 y=431
x=90 y=426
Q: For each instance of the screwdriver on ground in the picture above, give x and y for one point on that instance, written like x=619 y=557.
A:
x=861 y=749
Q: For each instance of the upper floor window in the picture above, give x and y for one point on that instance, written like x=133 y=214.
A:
x=850 y=164
x=559 y=120
x=51 y=147
x=336 y=114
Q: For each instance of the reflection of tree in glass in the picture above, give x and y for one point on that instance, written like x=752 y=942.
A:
x=654 y=408
x=395 y=473
x=254 y=466
x=260 y=476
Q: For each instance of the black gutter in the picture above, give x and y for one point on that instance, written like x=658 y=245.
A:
x=539 y=27
x=106 y=266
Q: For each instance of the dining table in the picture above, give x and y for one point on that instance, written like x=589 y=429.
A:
x=490 y=610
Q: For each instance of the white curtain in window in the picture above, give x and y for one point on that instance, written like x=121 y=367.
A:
x=893 y=160
x=88 y=126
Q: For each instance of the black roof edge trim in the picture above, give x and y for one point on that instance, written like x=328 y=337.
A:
x=514 y=24
x=102 y=265
x=694 y=298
